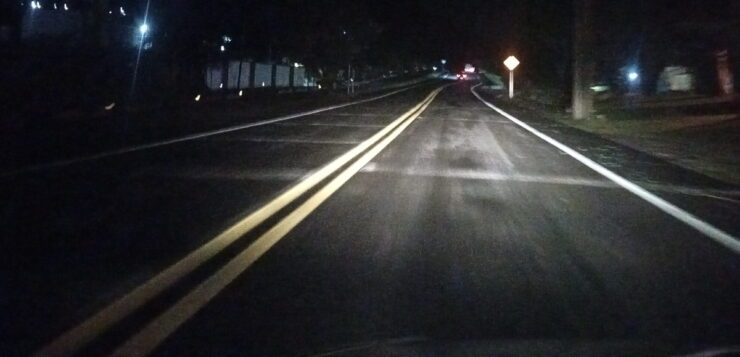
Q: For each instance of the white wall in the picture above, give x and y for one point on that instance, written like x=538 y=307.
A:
x=234 y=75
x=262 y=75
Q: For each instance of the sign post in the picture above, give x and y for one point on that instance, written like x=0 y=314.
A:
x=511 y=63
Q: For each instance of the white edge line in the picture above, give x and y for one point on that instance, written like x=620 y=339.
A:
x=130 y=149
x=705 y=228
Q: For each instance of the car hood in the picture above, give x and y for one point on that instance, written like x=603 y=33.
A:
x=420 y=346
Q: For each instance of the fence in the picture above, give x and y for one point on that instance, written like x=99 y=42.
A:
x=233 y=75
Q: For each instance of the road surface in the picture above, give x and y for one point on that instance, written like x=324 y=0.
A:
x=424 y=222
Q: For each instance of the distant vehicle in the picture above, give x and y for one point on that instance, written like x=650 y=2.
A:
x=467 y=76
x=451 y=76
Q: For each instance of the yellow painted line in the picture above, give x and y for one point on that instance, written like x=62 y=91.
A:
x=77 y=337
x=153 y=334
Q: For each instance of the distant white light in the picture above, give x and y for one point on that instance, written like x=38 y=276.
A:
x=600 y=88
x=226 y=39
x=143 y=29
x=434 y=68
x=296 y=65
x=263 y=84
x=221 y=85
x=55 y=6
x=66 y=8
x=223 y=48
x=35 y=5
x=344 y=32
x=110 y=12
x=122 y=11
x=444 y=61
x=632 y=76
x=241 y=92
x=197 y=98
x=319 y=86
x=110 y=106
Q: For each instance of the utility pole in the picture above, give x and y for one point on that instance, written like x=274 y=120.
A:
x=583 y=63
x=242 y=45
x=349 y=78
x=97 y=16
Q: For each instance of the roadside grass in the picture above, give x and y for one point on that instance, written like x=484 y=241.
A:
x=706 y=144
x=625 y=123
x=703 y=137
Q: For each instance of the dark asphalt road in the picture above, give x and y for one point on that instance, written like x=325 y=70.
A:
x=466 y=234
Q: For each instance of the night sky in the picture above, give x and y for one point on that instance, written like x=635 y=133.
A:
x=466 y=30
x=390 y=33
x=430 y=29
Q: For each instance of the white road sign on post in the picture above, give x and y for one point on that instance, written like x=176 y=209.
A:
x=511 y=63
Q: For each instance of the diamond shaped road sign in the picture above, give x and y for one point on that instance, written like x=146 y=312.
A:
x=511 y=63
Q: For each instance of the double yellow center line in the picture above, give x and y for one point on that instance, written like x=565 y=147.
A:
x=166 y=323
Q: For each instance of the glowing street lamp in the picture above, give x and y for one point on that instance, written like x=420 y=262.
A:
x=511 y=63
x=143 y=29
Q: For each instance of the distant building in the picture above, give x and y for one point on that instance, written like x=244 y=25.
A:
x=10 y=14
x=676 y=79
x=75 y=23
x=51 y=23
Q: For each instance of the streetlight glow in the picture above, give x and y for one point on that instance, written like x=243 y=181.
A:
x=632 y=76
x=143 y=29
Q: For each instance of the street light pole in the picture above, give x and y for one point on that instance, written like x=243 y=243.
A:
x=349 y=76
x=583 y=61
